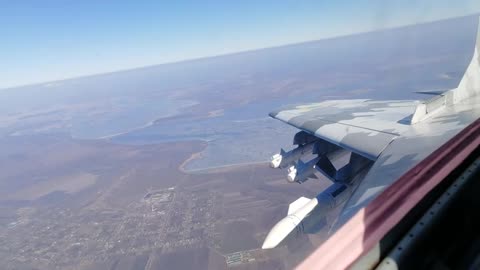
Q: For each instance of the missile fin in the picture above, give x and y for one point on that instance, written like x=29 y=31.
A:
x=300 y=164
x=325 y=166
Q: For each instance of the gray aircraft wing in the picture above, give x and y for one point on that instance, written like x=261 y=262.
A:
x=366 y=127
x=384 y=138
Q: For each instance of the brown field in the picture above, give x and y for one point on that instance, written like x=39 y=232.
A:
x=68 y=184
x=87 y=200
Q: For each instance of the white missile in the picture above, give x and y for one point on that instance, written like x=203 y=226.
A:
x=302 y=208
x=302 y=171
x=276 y=159
x=285 y=226
x=284 y=159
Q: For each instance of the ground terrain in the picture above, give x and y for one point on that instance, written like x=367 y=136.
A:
x=165 y=167
x=128 y=207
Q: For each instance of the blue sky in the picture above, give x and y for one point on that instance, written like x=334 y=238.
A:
x=45 y=40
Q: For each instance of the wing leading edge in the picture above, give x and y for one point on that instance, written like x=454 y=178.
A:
x=365 y=127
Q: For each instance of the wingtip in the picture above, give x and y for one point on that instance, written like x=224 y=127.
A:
x=273 y=114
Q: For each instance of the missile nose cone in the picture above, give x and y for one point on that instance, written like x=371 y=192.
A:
x=269 y=244
x=291 y=177
x=276 y=160
x=292 y=174
x=280 y=231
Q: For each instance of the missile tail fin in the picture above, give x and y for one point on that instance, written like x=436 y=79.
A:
x=300 y=164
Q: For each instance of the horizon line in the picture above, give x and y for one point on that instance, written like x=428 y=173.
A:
x=201 y=58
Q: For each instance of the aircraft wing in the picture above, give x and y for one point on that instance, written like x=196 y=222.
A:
x=384 y=138
x=365 y=127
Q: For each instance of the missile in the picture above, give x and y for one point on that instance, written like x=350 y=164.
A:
x=301 y=209
x=284 y=159
x=302 y=171
x=285 y=226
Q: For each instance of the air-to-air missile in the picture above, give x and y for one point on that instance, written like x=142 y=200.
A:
x=302 y=171
x=301 y=211
x=283 y=159
x=308 y=215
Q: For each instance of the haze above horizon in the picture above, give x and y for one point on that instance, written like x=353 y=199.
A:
x=56 y=40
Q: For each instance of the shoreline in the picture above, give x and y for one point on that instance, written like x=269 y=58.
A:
x=213 y=168
x=182 y=167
